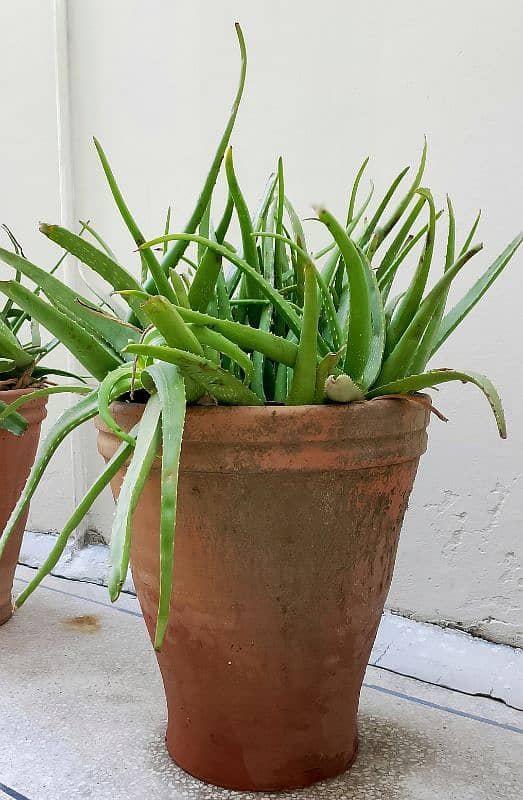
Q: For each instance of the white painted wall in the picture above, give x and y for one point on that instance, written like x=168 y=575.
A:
x=328 y=83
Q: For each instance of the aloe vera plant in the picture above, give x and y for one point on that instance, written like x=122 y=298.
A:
x=22 y=349
x=267 y=321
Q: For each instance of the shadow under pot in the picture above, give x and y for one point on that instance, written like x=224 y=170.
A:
x=287 y=527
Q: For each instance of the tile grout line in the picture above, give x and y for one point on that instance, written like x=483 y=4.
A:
x=374 y=687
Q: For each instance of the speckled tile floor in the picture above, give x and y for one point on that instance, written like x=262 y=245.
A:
x=82 y=716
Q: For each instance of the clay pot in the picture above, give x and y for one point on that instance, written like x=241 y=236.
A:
x=17 y=454
x=288 y=523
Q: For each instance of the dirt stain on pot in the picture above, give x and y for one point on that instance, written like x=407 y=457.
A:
x=88 y=623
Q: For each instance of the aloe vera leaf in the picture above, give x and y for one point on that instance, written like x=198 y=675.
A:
x=158 y=275
x=45 y=392
x=169 y=384
x=175 y=253
x=470 y=235
x=266 y=316
x=10 y=348
x=167 y=227
x=113 y=466
x=326 y=367
x=166 y=318
x=397 y=363
x=90 y=352
x=220 y=343
x=115 y=275
x=250 y=254
x=216 y=381
x=70 y=302
x=14 y=423
x=274 y=347
x=6 y=364
x=365 y=324
x=179 y=289
x=222 y=297
x=415 y=383
x=329 y=308
x=42 y=372
x=283 y=306
x=396 y=215
x=410 y=302
x=371 y=225
x=111 y=329
x=202 y=289
x=303 y=385
x=399 y=239
x=354 y=191
x=96 y=236
x=334 y=264
x=223 y=225
x=145 y=450
x=85 y=409
x=422 y=354
x=456 y=315
x=106 y=394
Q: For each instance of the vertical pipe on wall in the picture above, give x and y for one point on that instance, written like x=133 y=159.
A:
x=67 y=217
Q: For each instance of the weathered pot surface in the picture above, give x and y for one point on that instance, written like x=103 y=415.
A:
x=17 y=454
x=287 y=529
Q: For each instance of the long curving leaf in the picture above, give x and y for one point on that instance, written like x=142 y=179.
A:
x=10 y=348
x=70 y=419
x=145 y=451
x=398 y=362
x=169 y=385
x=415 y=383
x=158 y=275
x=174 y=255
x=365 y=324
x=115 y=275
x=93 y=354
x=467 y=303
x=303 y=386
x=96 y=488
x=14 y=423
x=214 y=380
x=283 y=306
x=111 y=330
x=411 y=300
x=218 y=342
x=45 y=392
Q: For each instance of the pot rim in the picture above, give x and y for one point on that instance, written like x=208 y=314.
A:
x=34 y=411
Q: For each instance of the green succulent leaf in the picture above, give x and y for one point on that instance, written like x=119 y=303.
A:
x=169 y=384
x=416 y=383
x=145 y=451
x=71 y=418
x=115 y=275
x=466 y=304
x=93 y=354
x=215 y=381
x=14 y=423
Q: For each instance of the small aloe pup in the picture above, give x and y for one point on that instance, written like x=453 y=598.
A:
x=264 y=323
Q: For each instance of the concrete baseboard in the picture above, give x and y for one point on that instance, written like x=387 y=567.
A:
x=441 y=656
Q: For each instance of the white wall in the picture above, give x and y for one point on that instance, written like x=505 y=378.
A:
x=328 y=83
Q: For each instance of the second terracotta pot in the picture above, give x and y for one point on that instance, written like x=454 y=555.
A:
x=288 y=523
x=17 y=454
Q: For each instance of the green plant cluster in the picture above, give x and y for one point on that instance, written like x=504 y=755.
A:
x=266 y=321
x=20 y=363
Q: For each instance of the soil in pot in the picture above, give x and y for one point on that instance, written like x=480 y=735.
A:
x=17 y=454
x=288 y=524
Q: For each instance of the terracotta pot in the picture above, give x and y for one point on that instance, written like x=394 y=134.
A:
x=17 y=454
x=288 y=523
